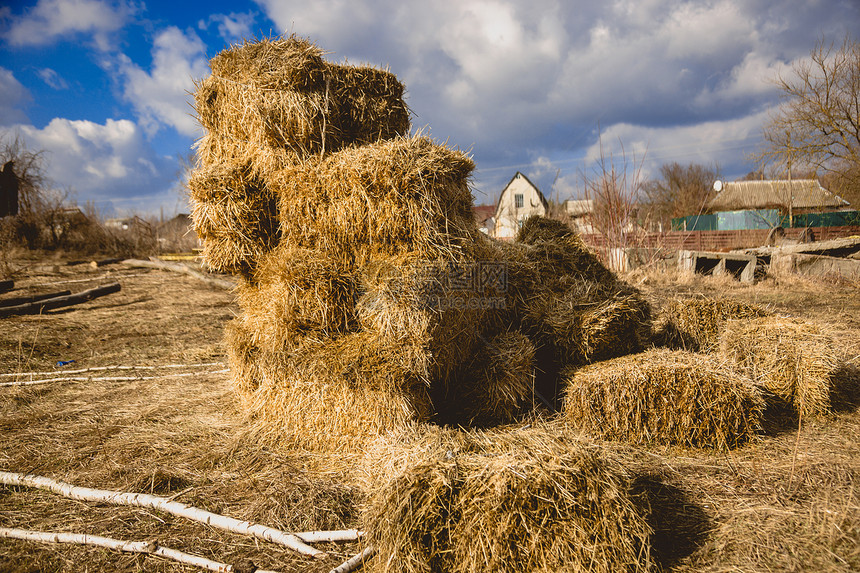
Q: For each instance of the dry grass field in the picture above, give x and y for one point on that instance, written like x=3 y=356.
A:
x=787 y=502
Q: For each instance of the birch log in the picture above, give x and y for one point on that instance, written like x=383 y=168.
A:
x=180 y=268
x=148 y=547
x=163 y=504
x=338 y=535
x=354 y=562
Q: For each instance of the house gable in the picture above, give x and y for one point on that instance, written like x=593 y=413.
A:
x=520 y=199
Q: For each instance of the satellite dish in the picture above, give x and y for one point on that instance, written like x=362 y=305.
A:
x=718 y=185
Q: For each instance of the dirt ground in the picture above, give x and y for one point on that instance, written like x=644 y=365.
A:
x=168 y=425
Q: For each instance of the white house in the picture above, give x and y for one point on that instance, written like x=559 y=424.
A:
x=520 y=200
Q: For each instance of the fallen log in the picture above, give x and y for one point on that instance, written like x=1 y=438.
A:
x=60 y=301
x=166 y=505
x=18 y=300
x=180 y=268
x=104 y=262
x=147 y=547
x=6 y=286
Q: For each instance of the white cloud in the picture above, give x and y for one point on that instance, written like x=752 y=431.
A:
x=101 y=162
x=709 y=143
x=232 y=27
x=162 y=96
x=13 y=96
x=50 y=20
x=52 y=79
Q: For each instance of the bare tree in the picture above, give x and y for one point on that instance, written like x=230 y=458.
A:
x=818 y=124
x=614 y=186
x=681 y=190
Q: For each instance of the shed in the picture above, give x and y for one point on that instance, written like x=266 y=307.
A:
x=788 y=196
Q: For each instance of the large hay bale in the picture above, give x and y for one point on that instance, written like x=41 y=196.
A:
x=695 y=324
x=281 y=94
x=793 y=359
x=294 y=293
x=525 y=499
x=664 y=396
x=234 y=215
x=396 y=197
x=328 y=397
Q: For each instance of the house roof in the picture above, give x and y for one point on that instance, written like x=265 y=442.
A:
x=804 y=194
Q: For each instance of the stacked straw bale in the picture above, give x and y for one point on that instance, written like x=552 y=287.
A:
x=696 y=324
x=369 y=297
x=794 y=359
x=664 y=396
x=524 y=499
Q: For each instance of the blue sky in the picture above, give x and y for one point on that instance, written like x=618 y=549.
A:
x=103 y=85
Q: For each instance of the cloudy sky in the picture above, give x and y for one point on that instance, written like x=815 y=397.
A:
x=522 y=85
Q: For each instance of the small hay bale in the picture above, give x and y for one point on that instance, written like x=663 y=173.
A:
x=500 y=382
x=234 y=215
x=664 y=396
x=296 y=292
x=558 y=252
x=523 y=499
x=586 y=325
x=793 y=359
x=407 y=299
x=695 y=324
x=390 y=198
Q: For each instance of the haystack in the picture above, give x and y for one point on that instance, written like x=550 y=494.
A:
x=296 y=292
x=664 y=396
x=498 y=386
x=328 y=397
x=696 y=324
x=366 y=282
x=794 y=359
x=524 y=499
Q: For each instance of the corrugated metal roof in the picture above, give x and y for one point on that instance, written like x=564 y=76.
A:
x=803 y=194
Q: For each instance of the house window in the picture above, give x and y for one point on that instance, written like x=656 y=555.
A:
x=518 y=200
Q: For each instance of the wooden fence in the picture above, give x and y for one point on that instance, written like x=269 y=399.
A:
x=721 y=241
